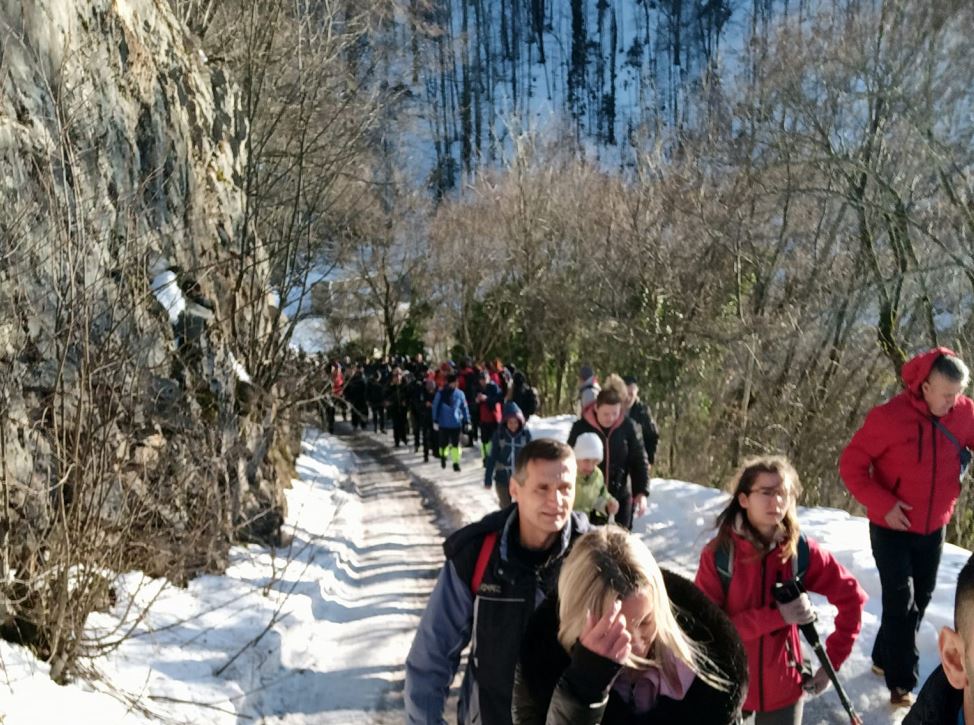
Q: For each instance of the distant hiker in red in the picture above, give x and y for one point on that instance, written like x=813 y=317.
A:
x=905 y=465
x=759 y=544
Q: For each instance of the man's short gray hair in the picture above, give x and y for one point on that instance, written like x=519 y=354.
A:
x=952 y=368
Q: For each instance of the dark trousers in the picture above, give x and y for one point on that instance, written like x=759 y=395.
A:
x=487 y=431
x=400 y=430
x=624 y=515
x=907 y=565
x=360 y=416
x=378 y=419
x=430 y=439
x=415 y=422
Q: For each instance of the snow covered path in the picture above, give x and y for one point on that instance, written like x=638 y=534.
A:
x=383 y=551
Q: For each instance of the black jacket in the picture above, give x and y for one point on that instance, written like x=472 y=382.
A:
x=397 y=398
x=624 y=465
x=646 y=426
x=938 y=702
x=356 y=393
x=507 y=595
x=554 y=688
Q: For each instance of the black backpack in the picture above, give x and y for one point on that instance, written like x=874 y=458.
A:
x=724 y=559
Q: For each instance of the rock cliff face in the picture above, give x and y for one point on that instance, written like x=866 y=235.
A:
x=133 y=305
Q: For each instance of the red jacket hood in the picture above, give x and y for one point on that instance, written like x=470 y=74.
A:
x=917 y=369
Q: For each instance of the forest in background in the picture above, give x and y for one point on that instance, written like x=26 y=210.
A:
x=759 y=208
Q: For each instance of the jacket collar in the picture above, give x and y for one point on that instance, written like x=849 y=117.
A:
x=575 y=523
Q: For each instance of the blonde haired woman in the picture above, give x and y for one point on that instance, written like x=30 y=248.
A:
x=759 y=544
x=620 y=645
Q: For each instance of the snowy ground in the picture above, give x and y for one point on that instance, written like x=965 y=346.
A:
x=318 y=632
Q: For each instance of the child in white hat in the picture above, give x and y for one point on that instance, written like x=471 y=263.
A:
x=591 y=495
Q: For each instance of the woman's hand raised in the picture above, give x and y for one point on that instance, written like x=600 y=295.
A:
x=608 y=637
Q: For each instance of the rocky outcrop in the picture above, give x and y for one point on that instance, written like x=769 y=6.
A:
x=133 y=305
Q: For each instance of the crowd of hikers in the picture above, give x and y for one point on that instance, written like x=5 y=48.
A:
x=570 y=619
x=444 y=407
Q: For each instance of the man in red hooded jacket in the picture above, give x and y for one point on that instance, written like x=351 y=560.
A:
x=904 y=465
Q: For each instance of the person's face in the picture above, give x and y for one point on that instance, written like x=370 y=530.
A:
x=607 y=415
x=544 y=499
x=941 y=393
x=513 y=424
x=586 y=466
x=640 y=621
x=767 y=503
x=632 y=391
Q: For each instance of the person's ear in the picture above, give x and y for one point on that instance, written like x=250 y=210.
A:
x=742 y=500
x=512 y=488
x=951 y=646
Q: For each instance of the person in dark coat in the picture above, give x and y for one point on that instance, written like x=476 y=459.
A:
x=376 y=391
x=414 y=391
x=356 y=395
x=524 y=395
x=496 y=572
x=640 y=414
x=397 y=401
x=947 y=697
x=626 y=642
x=427 y=395
x=624 y=467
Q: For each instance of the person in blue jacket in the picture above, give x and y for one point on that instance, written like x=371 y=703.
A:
x=507 y=442
x=496 y=573
x=450 y=416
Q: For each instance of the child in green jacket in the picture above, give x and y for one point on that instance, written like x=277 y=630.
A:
x=591 y=495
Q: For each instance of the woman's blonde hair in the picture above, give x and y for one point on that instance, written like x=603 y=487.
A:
x=743 y=482
x=607 y=564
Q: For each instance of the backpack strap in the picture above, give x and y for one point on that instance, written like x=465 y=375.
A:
x=724 y=560
x=799 y=563
x=486 y=549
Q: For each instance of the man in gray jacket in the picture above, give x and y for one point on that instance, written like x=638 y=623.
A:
x=496 y=572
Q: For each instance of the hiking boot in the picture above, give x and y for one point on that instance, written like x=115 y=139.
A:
x=442 y=463
x=456 y=467
x=426 y=458
x=898 y=697
x=877 y=670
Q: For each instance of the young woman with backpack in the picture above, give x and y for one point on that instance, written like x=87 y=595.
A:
x=758 y=545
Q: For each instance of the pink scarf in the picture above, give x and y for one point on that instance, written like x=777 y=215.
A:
x=640 y=689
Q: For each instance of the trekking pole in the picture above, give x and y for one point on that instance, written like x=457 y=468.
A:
x=789 y=592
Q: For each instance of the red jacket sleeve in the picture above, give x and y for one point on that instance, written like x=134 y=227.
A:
x=855 y=463
x=749 y=623
x=828 y=577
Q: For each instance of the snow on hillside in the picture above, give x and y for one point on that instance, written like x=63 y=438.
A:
x=307 y=634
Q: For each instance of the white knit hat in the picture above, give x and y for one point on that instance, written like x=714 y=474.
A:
x=588 y=446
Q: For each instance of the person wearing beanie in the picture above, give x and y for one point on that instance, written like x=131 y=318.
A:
x=591 y=495
x=505 y=445
x=588 y=387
